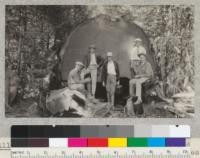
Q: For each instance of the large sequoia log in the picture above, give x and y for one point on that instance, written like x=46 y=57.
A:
x=116 y=36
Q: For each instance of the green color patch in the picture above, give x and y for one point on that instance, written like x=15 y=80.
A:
x=137 y=142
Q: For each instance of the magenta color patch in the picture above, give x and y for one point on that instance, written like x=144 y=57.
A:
x=77 y=142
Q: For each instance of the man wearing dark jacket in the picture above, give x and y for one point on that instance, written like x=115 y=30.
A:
x=110 y=78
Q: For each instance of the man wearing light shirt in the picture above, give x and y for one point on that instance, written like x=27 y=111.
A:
x=91 y=61
x=144 y=72
x=134 y=59
x=75 y=82
x=110 y=78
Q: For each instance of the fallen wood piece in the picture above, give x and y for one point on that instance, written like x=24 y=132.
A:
x=65 y=99
x=179 y=113
x=190 y=109
x=184 y=95
x=154 y=89
x=184 y=107
x=186 y=98
x=100 y=110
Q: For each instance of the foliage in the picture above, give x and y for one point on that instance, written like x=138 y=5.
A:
x=34 y=34
x=33 y=37
x=173 y=45
x=170 y=30
x=28 y=42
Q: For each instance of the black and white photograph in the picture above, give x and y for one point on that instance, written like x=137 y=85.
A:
x=99 y=61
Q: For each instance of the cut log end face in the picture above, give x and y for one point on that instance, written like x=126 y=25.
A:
x=65 y=100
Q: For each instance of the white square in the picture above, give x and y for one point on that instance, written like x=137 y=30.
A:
x=179 y=131
x=58 y=142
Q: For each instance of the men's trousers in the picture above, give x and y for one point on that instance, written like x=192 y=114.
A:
x=93 y=72
x=138 y=83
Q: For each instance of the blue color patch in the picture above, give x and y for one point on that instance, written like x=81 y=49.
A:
x=156 y=142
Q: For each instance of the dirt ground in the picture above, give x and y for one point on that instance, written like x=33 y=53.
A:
x=29 y=108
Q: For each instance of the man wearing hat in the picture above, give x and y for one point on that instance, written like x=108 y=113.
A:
x=92 y=62
x=75 y=82
x=144 y=73
x=134 y=59
x=110 y=78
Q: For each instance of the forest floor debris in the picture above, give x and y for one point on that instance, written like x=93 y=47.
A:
x=29 y=108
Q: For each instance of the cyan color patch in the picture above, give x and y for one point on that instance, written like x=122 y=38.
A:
x=156 y=142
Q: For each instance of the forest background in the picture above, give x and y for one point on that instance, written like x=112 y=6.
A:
x=34 y=34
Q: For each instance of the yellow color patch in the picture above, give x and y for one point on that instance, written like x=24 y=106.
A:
x=117 y=142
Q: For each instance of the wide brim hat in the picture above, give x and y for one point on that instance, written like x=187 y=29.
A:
x=80 y=63
x=142 y=54
x=92 y=46
x=109 y=54
x=138 y=40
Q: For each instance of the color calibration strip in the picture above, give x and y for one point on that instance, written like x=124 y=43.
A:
x=99 y=142
x=100 y=136
x=86 y=131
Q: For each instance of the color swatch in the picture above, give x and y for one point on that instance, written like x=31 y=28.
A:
x=156 y=142
x=137 y=142
x=115 y=131
x=175 y=142
x=97 y=142
x=77 y=142
x=117 y=142
x=58 y=142
x=100 y=136
x=100 y=142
